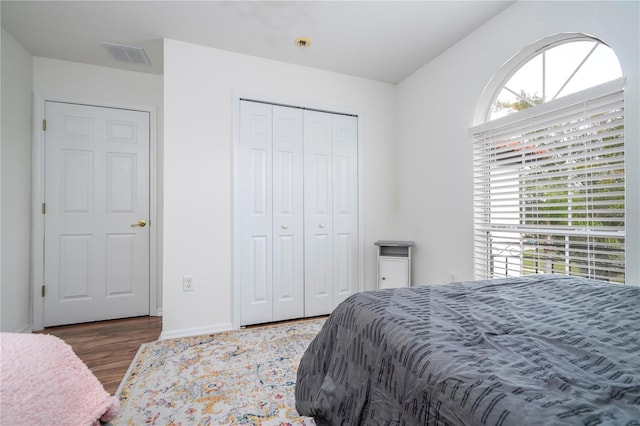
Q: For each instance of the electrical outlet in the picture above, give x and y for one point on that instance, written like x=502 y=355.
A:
x=187 y=283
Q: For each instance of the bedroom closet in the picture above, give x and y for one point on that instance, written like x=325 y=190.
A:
x=297 y=211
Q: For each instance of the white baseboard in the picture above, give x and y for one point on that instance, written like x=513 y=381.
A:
x=186 y=332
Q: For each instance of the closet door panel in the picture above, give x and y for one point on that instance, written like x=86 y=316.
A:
x=345 y=206
x=258 y=186
x=255 y=169
x=318 y=273
x=343 y=266
x=259 y=267
x=288 y=214
x=318 y=200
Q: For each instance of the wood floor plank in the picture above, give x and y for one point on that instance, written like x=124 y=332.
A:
x=108 y=347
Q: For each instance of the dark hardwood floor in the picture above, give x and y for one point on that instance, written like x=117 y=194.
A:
x=108 y=347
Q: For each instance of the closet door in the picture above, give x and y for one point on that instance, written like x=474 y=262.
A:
x=288 y=215
x=297 y=212
x=255 y=212
x=318 y=206
x=345 y=206
x=331 y=210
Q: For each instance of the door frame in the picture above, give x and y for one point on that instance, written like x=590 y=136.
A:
x=37 y=198
x=236 y=97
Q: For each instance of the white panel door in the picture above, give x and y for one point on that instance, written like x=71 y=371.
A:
x=255 y=212
x=318 y=206
x=96 y=188
x=288 y=215
x=345 y=206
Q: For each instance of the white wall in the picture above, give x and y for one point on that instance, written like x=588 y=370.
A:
x=17 y=71
x=71 y=81
x=74 y=82
x=198 y=88
x=436 y=106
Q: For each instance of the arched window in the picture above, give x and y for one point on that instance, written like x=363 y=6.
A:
x=557 y=70
x=549 y=169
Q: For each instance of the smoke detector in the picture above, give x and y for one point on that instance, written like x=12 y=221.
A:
x=131 y=54
x=303 y=42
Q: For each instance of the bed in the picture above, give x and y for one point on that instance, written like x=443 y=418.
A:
x=533 y=350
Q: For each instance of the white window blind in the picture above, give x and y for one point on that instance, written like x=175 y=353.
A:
x=549 y=188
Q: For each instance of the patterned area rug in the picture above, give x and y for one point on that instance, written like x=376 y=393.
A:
x=244 y=377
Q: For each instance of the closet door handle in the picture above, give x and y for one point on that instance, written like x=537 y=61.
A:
x=284 y=226
x=321 y=226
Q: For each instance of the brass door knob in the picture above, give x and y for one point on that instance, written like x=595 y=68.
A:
x=141 y=223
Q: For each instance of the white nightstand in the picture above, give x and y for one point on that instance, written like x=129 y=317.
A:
x=394 y=263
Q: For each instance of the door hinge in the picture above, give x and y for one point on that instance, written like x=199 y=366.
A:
x=44 y=124
x=43 y=290
x=44 y=208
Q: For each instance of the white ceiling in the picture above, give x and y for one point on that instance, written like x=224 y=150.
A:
x=379 y=40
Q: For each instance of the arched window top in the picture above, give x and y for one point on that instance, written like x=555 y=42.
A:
x=561 y=67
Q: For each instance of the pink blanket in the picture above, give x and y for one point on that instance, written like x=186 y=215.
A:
x=44 y=382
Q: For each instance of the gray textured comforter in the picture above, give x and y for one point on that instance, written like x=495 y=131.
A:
x=536 y=350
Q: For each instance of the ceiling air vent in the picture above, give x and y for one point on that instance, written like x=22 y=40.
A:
x=122 y=53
